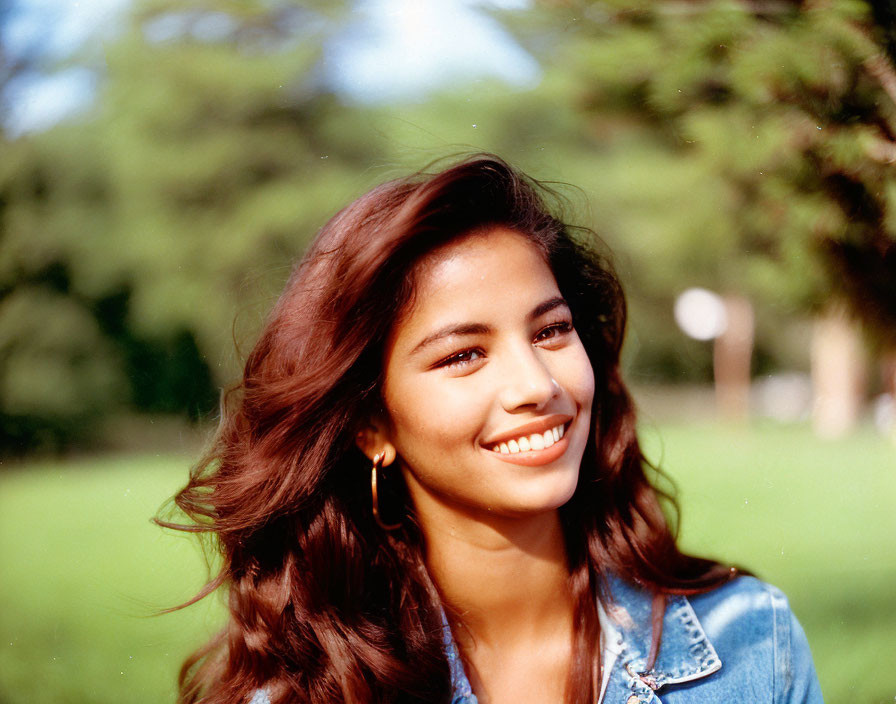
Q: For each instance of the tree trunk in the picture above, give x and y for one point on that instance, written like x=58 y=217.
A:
x=732 y=354
x=838 y=373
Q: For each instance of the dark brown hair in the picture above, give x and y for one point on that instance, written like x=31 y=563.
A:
x=325 y=606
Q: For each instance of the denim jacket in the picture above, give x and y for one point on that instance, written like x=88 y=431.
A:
x=737 y=644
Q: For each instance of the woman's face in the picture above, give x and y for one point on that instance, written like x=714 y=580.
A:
x=488 y=389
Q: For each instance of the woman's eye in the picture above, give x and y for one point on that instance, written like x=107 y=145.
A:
x=553 y=330
x=461 y=358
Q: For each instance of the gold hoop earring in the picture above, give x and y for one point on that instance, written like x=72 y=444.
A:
x=377 y=465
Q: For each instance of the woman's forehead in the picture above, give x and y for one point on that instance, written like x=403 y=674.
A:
x=482 y=272
x=478 y=248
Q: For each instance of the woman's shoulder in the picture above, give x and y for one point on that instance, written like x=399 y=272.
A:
x=742 y=605
x=740 y=641
x=753 y=628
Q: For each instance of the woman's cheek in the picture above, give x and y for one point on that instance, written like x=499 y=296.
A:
x=587 y=377
x=439 y=410
x=573 y=371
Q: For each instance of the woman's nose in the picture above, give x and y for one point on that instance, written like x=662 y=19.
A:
x=527 y=382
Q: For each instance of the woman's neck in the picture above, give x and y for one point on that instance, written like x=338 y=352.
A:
x=507 y=582
x=507 y=579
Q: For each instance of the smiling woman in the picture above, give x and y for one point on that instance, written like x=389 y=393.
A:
x=428 y=487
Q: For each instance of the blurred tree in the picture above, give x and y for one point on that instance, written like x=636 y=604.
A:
x=750 y=144
x=221 y=160
x=126 y=239
x=771 y=124
x=58 y=371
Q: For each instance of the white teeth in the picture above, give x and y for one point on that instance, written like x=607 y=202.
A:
x=536 y=441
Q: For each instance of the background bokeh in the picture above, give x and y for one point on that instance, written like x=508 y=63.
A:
x=163 y=164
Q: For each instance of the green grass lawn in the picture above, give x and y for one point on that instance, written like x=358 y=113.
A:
x=83 y=569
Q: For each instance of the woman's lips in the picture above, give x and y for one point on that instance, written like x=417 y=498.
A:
x=544 y=441
x=535 y=458
x=539 y=425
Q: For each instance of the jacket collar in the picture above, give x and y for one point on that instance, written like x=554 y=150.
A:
x=685 y=651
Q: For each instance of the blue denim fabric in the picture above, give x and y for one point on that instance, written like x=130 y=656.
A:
x=738 y=644
x=461 y=691
x=260 y=697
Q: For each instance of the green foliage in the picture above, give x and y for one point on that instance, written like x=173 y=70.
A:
x=58 y=371
x=68 y=352
x=182 y=200
x=764 y=137
x=212 y=147
x=59 y=335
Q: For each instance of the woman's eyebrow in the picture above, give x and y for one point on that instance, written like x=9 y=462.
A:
x=453 y=329
x=481 y=328
x=547 y=306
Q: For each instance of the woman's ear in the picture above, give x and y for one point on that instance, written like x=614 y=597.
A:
x=373 y=438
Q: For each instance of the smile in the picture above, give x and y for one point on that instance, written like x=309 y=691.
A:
x=533 y=444
x=527 y=443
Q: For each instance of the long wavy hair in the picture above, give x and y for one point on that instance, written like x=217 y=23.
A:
x=326 y=606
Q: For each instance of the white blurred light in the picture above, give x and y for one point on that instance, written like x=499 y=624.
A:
x=884 y=410
x=701 y=314
x=784 y=396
